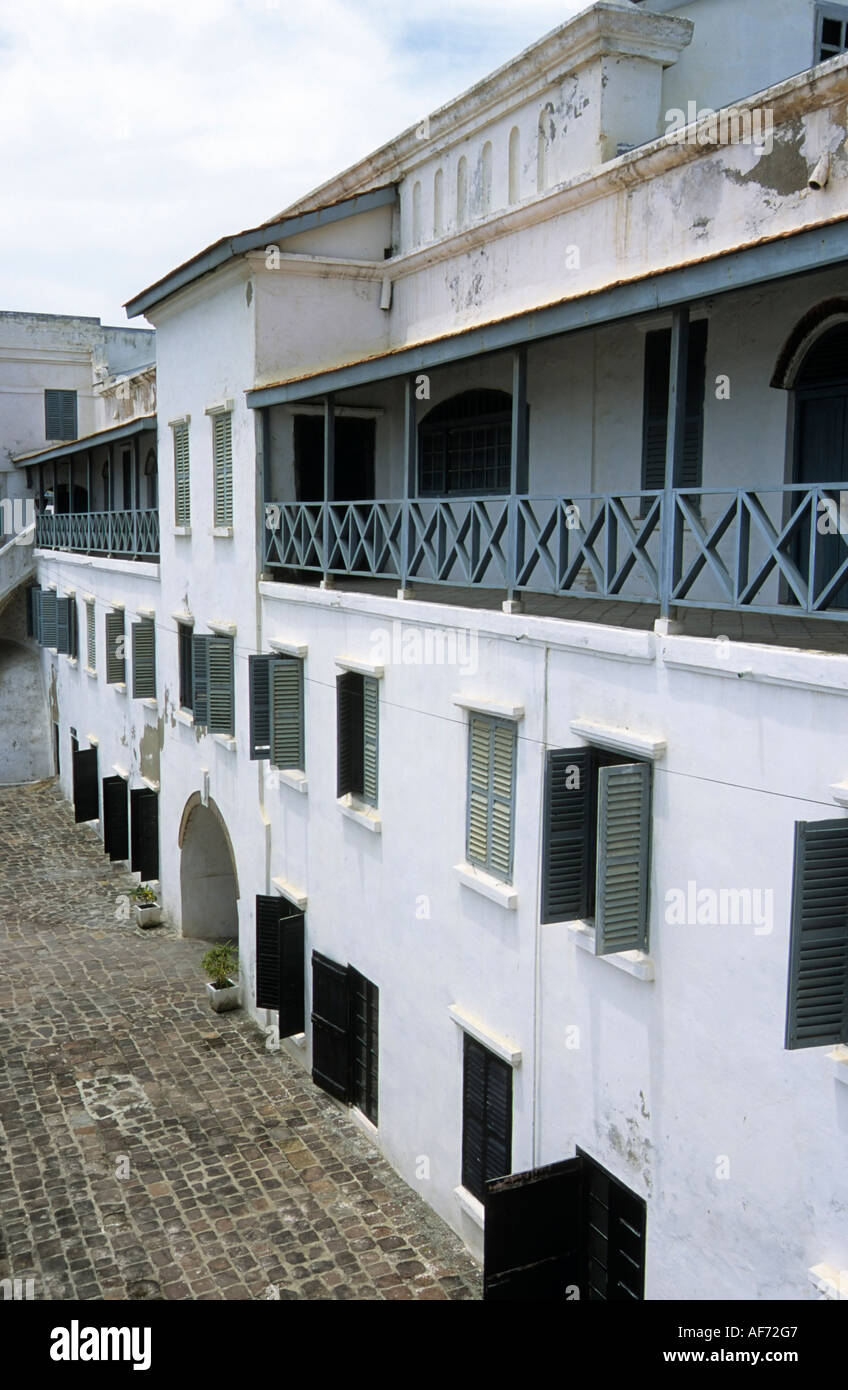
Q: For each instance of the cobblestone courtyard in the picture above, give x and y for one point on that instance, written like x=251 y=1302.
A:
x=153 y=1149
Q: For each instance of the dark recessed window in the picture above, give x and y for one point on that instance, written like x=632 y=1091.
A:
x=464 y=444
x=831 y=32
x=186 y=664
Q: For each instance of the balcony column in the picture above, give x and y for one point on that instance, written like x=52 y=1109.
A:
x=672 y=522
x=89 y=478
x=327 y=581
x=263 y=448
x=134 y=499
x=518 y=475
x=110 y=495
x=410 y=482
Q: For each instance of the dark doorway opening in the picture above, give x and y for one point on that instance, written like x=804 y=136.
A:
x=354 y=463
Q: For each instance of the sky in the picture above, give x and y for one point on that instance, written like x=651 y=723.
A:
x=135 y=133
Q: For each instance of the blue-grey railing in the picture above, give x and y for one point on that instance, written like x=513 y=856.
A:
x=774 y=550
x=131 y=533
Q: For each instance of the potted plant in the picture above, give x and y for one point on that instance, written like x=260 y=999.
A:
x=148 y=912
x=221 y=963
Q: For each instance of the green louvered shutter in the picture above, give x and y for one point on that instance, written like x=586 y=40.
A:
x=221 y=686
x=223 y=467
x=567 y=834
x=477 y=838
x=91 y=637
x=491 y=795
x=259 y=681
x=817 y=1009
x=200 y=678
x=37 y=610
x=287 y=712
x=49 y=613
x=370 y=713
x=60 y=414
x=655 y=415
x=182 y=476
x=624 y=829
x=144 y=659
x=115 y=665
x=349 y=732
x=503 y=799
x=63 y=625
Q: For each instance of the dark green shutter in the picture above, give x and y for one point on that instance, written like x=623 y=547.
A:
x=84 y=769
x=491 y=795
x=370 y=717
x=349 y=731
x=60 y=414
x=37 y=609
x=65 y=626
x=567 y=834
x=280 y=959
x=486 y=1117
x=115 y=662
x=330 y=1027
x=49 y=633
x=116 y=820
x=223 y=468
x=182 y=476
x=91 y=637
x=144 y=804
x=200 y=677
x=31 y=601
x=624 y=830
x=655 y=410
x=144 y=659
x=221 y=686
x=817 y=1009
x=287 y=712
x=259 y=679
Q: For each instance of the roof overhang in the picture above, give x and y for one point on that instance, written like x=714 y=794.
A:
x=140 y=425
x=256 y=239
x=796 y=253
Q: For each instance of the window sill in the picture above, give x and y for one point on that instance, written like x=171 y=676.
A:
x=225 y=741
x=119 y=687
x=289 y=777
x=502 y=1047
x=838 y=1059
x=182 y=530
x=150 y=703
x=222 y=531
x=366 y=816
x=500 y=709
x=490 y=887
x=288 y=890
x=186 y=717
x=635 y=963
x=471 y=1206
x=91 y=671
x=72 y=661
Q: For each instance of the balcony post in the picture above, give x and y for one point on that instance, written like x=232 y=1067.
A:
x=263 y=447
x=672 y=526
x=134 y=492
x=329 y=483
x=518 y=472
x=410 y=459
x=88 y=485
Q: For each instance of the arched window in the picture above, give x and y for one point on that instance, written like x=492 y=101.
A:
x=464 y=444
x=438 y=203
x=514 y=164
x=416 y=213
x=545 y=140
x=486 y=179
x=462 y=192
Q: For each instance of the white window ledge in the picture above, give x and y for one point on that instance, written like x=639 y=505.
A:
x=290 y=777
x=180 y=420
x=122 y=772
x=225 y=741
x=501 y=709
x=182 y=530
x=151 y=783
x=366 y=816
x=219 y=407
x=91 y=671
x=490 y=887
x=182 y=615
x=838 y=1059
x=185 y=716
x=635 y=963
x=839 y=792
x=72 y=661
x=361 y=668
x=120 y=687
x=222 y=531
x=297 y=649
x=223 y=629
x=830 y=1282
x=619 y=740
x=146 y=612
x=93 y=740
x=471 y=1206
x=288 y=890
x=502 y=1047
x=150 y=704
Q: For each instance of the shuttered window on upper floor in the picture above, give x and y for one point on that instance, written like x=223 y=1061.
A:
x=91 y=636
x=817 y=1006
x=596 y=838
x=831 y=31
x=222 y=451
x=213 y=694
x=276 y=709
x=182 y=475
x=490 y=827
x=60 y=414
x=49 y=623
x=358 y=699
x=144 y=659
x=486 y=1117
x=655 y=409
x=115 y=655
x=66 y=626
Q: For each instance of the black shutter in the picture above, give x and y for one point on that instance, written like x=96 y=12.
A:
x=655 y=411
x=259 y=674
x=817 y=1008
x=86 y=800
x=267 y=952
x=30 y=610
x=292 y=965
x=614 y=1225
x=486 y=1117
x=567 y=834
x=533 y=1234
x=116 y=821
x=330 y=1027
x=144 y=833
x=365 y=1034
x=350 y=715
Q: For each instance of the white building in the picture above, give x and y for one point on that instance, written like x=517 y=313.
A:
x=486 y=677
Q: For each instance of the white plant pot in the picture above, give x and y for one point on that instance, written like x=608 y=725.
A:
x=148 y=916
x=222 y=1000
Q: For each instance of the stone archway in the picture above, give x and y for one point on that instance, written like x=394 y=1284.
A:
x=208 y=879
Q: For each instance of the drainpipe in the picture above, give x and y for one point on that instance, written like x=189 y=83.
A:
x=537 y=955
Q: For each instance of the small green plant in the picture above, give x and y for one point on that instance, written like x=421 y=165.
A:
x=220 y=964
x=144 y=896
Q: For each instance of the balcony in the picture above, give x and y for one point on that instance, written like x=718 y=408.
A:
x=130 y=535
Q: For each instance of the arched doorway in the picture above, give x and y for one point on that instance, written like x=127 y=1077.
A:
x=821 y=455
x=208 y=880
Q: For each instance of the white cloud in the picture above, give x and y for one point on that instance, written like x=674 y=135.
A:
x=133 y=135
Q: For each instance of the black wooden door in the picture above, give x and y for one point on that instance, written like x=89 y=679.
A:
x=364 y=1024
x=86 y=800
x=116 y=818
x=144 y=805
x=614 y=1224
x=533 y=1235
x=330 y=1027
x=280 y=938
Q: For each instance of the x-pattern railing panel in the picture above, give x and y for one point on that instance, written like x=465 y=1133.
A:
x=559 y=540
x=460 y=541
x=365 y=538
x=134 y=533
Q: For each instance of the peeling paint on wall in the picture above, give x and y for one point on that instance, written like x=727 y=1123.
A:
x=149 y=749
x=783 y=169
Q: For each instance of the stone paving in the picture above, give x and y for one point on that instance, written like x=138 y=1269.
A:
x=153 y=1149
